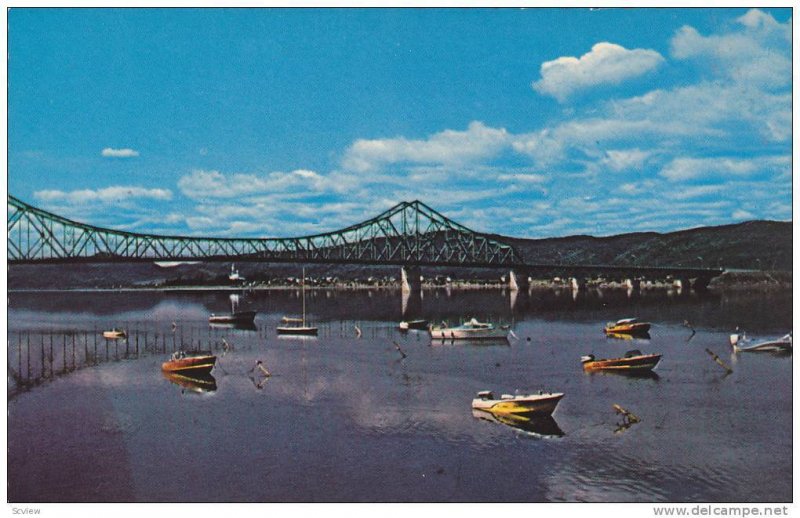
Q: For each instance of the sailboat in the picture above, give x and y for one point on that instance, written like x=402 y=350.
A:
x=297 y=326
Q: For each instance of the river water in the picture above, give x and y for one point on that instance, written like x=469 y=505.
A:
x=348 y=418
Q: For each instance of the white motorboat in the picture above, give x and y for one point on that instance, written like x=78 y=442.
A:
x=471 y=330
x=741 y=343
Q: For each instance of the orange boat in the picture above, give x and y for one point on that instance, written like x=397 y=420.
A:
x=633 y=361
x=629 y=326
x=197 y=362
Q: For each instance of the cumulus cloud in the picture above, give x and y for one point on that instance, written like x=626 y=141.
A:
x=450 y=147
x=606 y=64
x=113 y=194
x=119 y=153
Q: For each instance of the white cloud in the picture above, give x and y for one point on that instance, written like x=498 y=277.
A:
x=742 y=214
x=622 y=159
x=449 y=147
x=684 y=169
x=607 y=63
x=119 y=153
x=113 y=194
x=214 y=184
x=758 y=54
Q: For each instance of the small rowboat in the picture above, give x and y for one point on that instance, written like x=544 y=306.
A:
x=115 y=334
x=633 y=361
x=520 y=405
x=194 y=363
x=630 y=326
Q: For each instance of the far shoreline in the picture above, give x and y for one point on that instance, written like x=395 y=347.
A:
x=733 y=281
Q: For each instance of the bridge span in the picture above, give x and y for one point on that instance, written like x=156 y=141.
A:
x=410 y=235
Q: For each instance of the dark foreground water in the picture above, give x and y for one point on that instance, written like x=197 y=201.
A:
x=346 y=418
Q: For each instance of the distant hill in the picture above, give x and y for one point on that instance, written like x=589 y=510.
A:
x=749 y=245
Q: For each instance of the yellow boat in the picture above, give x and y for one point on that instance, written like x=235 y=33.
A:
x=521 y=405
x=629 y=326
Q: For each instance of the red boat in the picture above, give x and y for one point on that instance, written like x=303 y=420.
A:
x=198 y=362
x=633 y=361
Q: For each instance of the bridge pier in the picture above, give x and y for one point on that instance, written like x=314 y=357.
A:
x=410 y=279
x=577 y=284
x=633 y=284
x=518 y=281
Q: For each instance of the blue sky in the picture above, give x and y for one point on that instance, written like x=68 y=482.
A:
x=281 y=122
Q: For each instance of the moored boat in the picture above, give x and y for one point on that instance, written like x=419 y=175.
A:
x=234 y=317
x=196 y=362
x=298 y=326
x=471 y=330
x=115 y=334
x=741 y=343
x=521 y=405
x=630 y=326
x=237 y=317
x=419 y=325
x=632 y=361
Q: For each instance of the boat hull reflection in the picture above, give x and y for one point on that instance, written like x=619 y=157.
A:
x=242 y=326
x=628 y=336
x=535 y=426
x=198 y=383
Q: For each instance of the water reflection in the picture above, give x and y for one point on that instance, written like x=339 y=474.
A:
x=628 y=336
x=631 y=374
x=696 y=441
x=242 y=326
x=192 y=383
x=536 y=426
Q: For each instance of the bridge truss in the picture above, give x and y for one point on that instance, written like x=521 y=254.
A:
x=410 y=233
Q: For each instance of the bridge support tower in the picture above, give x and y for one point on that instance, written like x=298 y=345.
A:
x=518 y=280
x=633 y=284
x=577 y=284
x=410 y=279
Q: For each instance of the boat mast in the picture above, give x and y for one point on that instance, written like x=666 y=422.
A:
x=304 y=296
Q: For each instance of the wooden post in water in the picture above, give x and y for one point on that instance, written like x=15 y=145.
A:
x=29 y=357
x=95 y=347
x=719 y=361
x=64 y=352
x=85 y=349
x=52 y=357
x=41 y=347
x=73 y=350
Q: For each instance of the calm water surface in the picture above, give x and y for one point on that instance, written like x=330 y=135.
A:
x=346 y=418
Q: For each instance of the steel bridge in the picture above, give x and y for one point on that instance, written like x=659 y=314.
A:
x=410 y=234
